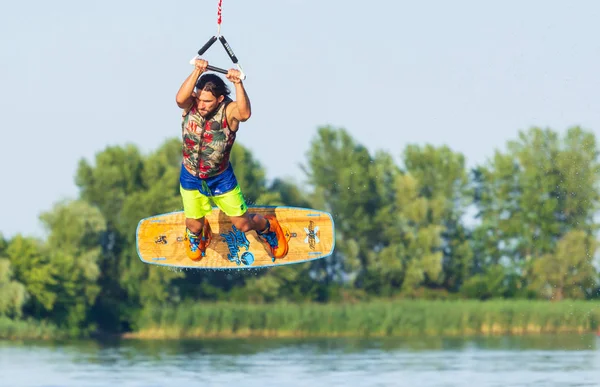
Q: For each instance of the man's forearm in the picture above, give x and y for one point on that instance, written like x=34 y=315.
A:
x=242 y=100
x=187 y=88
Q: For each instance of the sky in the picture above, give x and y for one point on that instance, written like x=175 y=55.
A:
x=78 y=76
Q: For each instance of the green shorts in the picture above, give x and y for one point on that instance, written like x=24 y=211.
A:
x=196 y=205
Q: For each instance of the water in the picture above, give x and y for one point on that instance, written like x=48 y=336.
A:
x=547 y=361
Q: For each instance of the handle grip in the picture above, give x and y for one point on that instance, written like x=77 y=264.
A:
x=223 y=71
x=227 y=47
x=207 y=45
x=218 y=69
x=229 y=51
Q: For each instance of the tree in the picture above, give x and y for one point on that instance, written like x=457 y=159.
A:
x=251 y=176
x=157 y=193
x=13 y=294
x=30 y=265
x=73 y=250
x=569 y=271
x=117 y=175
x=413 y=253
x=530 y=197
x=442 y=177
x=344 y=178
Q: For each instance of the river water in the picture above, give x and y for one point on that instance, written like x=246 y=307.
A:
x=565 y=360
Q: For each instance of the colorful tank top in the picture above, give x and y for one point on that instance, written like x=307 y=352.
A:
x=207 y=141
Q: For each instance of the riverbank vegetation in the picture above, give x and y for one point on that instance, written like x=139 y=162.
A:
x=386 y=318
x=425 y=246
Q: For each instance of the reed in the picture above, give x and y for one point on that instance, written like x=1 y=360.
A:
x=30 y=329
x=378 y=318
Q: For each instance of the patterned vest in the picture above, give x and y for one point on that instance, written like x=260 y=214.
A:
x=207 y=141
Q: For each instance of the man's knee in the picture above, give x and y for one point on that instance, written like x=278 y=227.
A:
x=194 y=225
x=242 y=223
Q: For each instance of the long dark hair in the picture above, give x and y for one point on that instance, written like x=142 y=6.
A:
x=214 y=84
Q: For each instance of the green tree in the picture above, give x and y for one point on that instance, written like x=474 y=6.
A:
x=118 y=173
x=73 y=249
x=107 y=185
x=569 y=271
x=13 y=294
x=158 y=193
x=413 y=254
x=442 y=176
x=290 y=194
x=251 y=176
x=530 y=197
x=492 y=282
x=31 y=267
x=343 y=176
x=3 y=244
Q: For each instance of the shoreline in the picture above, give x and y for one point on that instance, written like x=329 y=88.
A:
x=180 y=334
x=149 y=335
x=376 y=319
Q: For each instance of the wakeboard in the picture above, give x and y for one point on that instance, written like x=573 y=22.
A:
x=160 y=239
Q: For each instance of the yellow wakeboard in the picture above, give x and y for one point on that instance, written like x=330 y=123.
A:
x=161 y=239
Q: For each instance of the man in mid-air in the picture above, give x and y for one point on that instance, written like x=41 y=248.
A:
x=210 y=121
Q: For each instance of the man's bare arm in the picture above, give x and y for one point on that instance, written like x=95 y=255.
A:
x=240 y=109
x=184 y=96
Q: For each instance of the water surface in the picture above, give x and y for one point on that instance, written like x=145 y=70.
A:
x=566 y=360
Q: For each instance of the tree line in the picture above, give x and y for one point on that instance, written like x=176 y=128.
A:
x=521 y=225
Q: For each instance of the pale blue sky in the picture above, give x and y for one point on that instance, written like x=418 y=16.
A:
x=77 y=76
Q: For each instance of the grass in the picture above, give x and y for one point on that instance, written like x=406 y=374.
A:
x=20 y=329
x=402 y=318
x=373 y=319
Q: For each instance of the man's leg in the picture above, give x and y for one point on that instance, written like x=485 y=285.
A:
x=268 y=230
x=198 y=234
x=194 y=225
x=267 y=227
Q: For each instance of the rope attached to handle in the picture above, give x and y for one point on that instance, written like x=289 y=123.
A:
x=223 y=42
x=219 y=17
